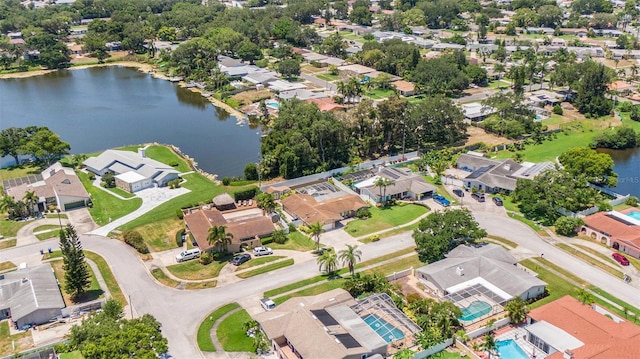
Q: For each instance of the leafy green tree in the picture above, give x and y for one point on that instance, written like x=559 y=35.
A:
x=592 y=88
x=12 y=142
x=596 y=167
x=328 y=262
x=108 y=180
x=248 y=51
x=436 y=121
x=489 y=343
x=440 y=232
x=46 y=146
x=266 y=202
x=289 y=68
x=334 y=45
x=549 y=16
x=350 y=256
x=516 y=310
x=440 y=76
x=315 y=230
x=76 y=272
x=568 y=226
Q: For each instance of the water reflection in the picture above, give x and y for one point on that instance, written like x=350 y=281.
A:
x=191 y=98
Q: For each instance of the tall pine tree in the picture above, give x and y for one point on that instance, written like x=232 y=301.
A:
x=76 y=272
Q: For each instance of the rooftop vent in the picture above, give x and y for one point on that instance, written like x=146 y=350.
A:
x=459 y=271
x=568 y=354
x=507 y=167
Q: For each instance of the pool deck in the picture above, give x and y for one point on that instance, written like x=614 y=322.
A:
x=518 y=334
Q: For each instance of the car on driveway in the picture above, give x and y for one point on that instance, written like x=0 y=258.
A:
x=262 y=251
x=267 y=304
x=441 y=200
x=498 y=201
x=478 y=196
x=458 y=192
x=620 y=259
x=241 y=258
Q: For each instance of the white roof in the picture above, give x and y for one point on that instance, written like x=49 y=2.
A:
x=554 y=336
x=131 y=177
x=281 y=85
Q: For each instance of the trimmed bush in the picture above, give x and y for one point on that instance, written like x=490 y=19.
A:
x=179 y=235
x=179 y=214
x=246 y=194
x=279 y=236
x=557 y=109
x=631 y=201
x=206 y=258
x=226 y=181
x=134 y=239
x=568 y=226
x=363 y=213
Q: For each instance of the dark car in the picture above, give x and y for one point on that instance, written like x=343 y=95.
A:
x=458 y=192
x=498 y=201
x=620 y=259
x=239 y=259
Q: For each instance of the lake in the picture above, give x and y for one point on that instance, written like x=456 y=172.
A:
x=99 y=108
x=627 y=166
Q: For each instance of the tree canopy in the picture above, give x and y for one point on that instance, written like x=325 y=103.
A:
x=585 y=162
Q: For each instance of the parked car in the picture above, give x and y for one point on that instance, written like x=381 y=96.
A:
x=441 y=200
x=620 y=259
x=320 y=251
x=262 y=251
x=241 y=258
x=267 y=304
x=188 y=255
x=478 y=197
x=498 y=201
x=458 y=192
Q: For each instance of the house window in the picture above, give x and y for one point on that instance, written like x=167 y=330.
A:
x=539 y=343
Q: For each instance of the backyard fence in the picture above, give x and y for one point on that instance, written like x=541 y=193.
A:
x=480 y=331
x=401 y=274
x=434 y=349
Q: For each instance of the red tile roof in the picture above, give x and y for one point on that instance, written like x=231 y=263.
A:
x=618 y=230
x=602 y=337
x=326 y=104
x=404 y=86
x=311 y=211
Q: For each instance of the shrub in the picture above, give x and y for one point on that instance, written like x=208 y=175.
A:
x=292 y=228
x=174 y=183
x=363 y=213
x=92 y=177
x=206 y=258
x=226 y=181
x=251 y=171
x=567 y=226
x=179 y=237
x=246 y=194
x=625 y=106
x=134 y=239
x=557 y=109
x=279 y=236
x=179 y=214
x=631 y=201
x=374 y=238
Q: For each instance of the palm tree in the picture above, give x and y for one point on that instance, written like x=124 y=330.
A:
x=219 y=237
x=315 y=230
x=328 y=262
x=382 y=183
x=7 y=203
x=516 y=310
x=489 y=343
x=350 y=256
x=30 y=200
x=379 y=182
x=583 y=296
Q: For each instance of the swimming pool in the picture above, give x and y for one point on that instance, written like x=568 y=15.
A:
x=273 y=105
x=385 y=330
x=475 y=310
x=634 y=215
x=510 y=349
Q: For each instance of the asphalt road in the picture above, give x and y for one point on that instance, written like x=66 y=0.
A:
x=181 y=311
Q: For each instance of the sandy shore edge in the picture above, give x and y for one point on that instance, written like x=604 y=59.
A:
x=147 y=68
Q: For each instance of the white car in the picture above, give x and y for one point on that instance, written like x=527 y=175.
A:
x=267 y=304
x=262 y=251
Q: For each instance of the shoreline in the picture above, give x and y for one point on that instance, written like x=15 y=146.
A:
x=142 y=67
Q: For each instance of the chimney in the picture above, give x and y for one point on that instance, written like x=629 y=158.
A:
x=142 y=152
x=568 y=354
x=459 y=271
x=507 y=167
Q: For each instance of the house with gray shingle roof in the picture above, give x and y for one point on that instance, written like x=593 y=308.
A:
x=30 y=296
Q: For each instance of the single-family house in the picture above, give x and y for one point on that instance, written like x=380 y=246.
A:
x=327 y=104
x=328 y=210
x=301 y=94
x=56 y=186
x=113 y=46
x=401 y=184
x=482 y=272
x=148 y=172
x=313 y=57
x=260 y=77
x=442 y=46
x=282 y=86
x=618 y=230
x=356 y=69
x=247 y=230
x=494 y=176
x=405 y=88
x=334 y=325
x=476 y=112
x=566 y=328
x=30 y=296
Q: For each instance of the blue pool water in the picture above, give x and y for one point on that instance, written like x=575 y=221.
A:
x=273 y=105
x=510 y=349
x=475 y=310
x=634 y=215
x=385 y=330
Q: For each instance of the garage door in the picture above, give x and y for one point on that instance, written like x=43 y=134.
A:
x=73 y=205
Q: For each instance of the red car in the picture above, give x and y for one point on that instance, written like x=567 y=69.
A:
x=620 y=259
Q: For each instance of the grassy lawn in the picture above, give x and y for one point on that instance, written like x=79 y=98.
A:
x=10 y=228
x=267 y=268
x=120 y=192
x=204 y=336
x=52 y=255
x=616 y=300
x=328 y=77
x=557 y=286
x=385 y=218
x=593 y=262
x=201 y=285
x=193 y=270
x=296 y=241
x=73 y=355
x=107 y=275
x=385 y=257
x=166 y=155
x=7 y=243
x=94 y=292
x=529 y=223
x=595 y=253
x=106 y=206
x=5 y=266
x=55 y=216
x=46 y=227
x=161 y=236
x=232 y=335
x=202 y=189
x=256 y=261
x=397 y=266
x=48 y=234
x=159 y=275
x=379 y=94
x=509 y=205
x=22 y=341
x=499 y=83
x=23 y=170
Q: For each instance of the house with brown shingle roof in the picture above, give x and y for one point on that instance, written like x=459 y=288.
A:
x=56 y=186
x=617 y=230
x=246 y=230
x=327 y=211
x=566 y=328
x=405 y=88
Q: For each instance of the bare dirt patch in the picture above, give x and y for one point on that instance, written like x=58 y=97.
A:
x=477 y=135
x=249 y=97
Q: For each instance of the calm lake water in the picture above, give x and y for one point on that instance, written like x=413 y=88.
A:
x=627 y=166
x=99 y=108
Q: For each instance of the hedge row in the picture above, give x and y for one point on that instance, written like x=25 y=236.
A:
x=134 y=239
